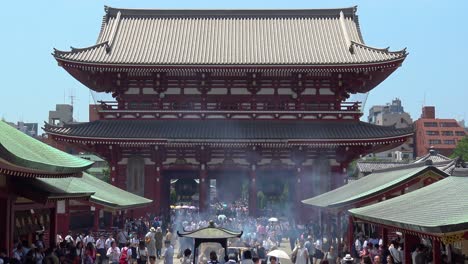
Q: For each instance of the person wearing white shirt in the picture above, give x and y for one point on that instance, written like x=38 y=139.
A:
x=89 y=239
x=101 y=247
x=113 y=253
x=69 y=238
x=109 y=242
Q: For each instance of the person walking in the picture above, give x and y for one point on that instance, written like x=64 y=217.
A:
x=158 y=236
x=113 y=253
x=151 y=242
x=142 y=253
x=301 y=256
x=101 y=248
x=168 y=254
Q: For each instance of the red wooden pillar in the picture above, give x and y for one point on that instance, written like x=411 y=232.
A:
x=203 y=189
x=351 y=233
x=410 y=242
x=299 y=196
x=111 y=220
x=53 y=227
x=384 y=234
x=338 y=231
x=436 y=256
x=6 y=223
x=157 y=197
x=252 y=191
x=63 y=219
x=96 y=219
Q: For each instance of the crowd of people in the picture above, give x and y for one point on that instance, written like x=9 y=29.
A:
x=152 y=240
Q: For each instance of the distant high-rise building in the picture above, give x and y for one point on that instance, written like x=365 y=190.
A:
x=63 y=114
x=392 y=115
x=439 y=134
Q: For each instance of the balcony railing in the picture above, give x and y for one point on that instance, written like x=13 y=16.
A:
x=234 y=107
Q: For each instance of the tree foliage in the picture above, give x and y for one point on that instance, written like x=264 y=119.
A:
x=461 y=150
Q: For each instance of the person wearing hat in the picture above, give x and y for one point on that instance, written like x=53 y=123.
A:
x=158 y=236
x=151 y=242
x=347 y=259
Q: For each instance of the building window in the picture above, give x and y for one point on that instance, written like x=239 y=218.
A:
x=434 y=141
x=460 y=133
x=430 y=124
x=449 y=142
x=448 y=124
x=432 y=133
x=447 y=133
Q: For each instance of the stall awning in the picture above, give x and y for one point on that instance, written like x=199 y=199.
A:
x=439 y=208
x=371 y=185
x=42 y=192
x=23 y=155
x=105 y=194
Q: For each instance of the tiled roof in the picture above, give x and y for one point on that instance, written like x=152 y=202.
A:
x=20 y=150
x=441 y=207
x=230 y=37
x=434 y=157
x=41 y=191
x=369 y=186
x=227 y=130
x=210 y=232
x=104 y=193
x=365 y=166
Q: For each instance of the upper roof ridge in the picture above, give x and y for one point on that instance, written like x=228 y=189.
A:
x=325 y=12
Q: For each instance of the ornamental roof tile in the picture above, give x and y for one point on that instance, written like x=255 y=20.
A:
x=439 y=208
x=230 y=37
x=369 y=186
x=226 y=130
x=20 y=150
x=104 y=193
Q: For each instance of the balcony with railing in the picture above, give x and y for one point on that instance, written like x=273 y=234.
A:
x=302 y=110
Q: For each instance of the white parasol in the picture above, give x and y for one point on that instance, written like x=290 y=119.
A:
x=273 y=219
x=221 y=217
x=278 y=253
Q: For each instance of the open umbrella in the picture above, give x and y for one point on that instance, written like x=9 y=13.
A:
x=185 y=207
x=192 y=207
x=273 y=219
x=178 y=207
x=278 y=253
x=221 y=217
x=172 y=206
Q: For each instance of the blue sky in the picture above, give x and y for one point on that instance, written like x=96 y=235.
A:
x=434 y=32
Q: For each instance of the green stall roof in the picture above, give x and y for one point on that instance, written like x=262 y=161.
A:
x=104 y=193
x=439 y=208
x=371 y=185
x=25 y=151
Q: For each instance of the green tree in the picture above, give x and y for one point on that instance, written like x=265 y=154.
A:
x=461 y=150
